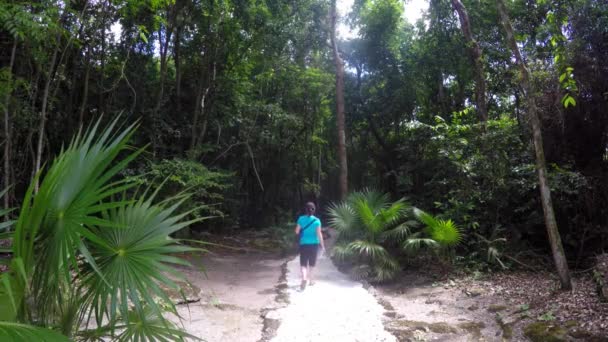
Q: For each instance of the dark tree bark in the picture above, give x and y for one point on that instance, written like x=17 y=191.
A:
x=343 y=177
x=475 y=51
x=557 y=249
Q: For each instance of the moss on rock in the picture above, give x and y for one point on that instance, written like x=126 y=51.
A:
x=473 y=328
x=496 y=308
x=545 y=332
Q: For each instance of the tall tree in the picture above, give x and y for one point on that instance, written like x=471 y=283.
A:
x=559 y=256
x=165 y=32
x=7 y=126
x=339 y=64
x=475 y=51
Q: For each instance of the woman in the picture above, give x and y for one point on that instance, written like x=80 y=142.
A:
x=308 y=229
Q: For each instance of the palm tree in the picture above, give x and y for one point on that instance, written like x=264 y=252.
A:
x=367 y=222
x=85 y=253
x=438 y=234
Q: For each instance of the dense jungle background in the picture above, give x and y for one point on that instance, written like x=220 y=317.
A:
x=236 y=100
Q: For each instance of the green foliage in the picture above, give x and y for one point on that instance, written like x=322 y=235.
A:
x=117 y=251
x=16 y=332
x=176 y=176
x=367 y=223
x=546 y=317
x=246 y=89
x=445 y=233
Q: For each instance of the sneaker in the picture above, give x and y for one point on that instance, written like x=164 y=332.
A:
x=303 y=285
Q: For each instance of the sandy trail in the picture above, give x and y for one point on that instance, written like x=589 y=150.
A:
x=234 y=291
x=335 y=309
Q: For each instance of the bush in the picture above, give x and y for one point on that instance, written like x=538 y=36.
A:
x=367 y=223
x=175 y=176
x=83 y=241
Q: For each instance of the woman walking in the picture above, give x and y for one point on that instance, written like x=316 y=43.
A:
x=308 y=229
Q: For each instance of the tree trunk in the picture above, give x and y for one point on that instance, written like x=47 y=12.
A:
x=343 y=178
x=42 y=125
x=156 y=121
x=7 y=130
x=85 y=92
x=178 y=70
x=545 y=192
x=195 y=114
x=475 y=51
x=102 y=61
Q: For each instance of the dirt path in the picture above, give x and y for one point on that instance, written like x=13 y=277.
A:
x=335 y=309
x=256 y=298
x=235 y=291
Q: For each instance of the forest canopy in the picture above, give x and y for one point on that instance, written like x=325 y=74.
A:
x=236 y=100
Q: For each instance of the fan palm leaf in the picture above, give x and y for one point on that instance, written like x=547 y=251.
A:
x=416 y=242
x=393 y=213
x=368 y=249
x=400 y=232
x=342 y=252
x=342 y=217
x=16 y=332
x=374 y=199
x=71 y=196
x=444 y=232
x=134 y=258
x=364 y=221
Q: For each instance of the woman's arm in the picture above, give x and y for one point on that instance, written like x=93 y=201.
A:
x=320 y=237
x=297 y=230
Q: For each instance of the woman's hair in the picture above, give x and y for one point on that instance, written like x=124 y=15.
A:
x=309 y=208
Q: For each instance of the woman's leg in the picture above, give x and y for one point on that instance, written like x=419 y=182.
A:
x=303 y=262
x=312 y=262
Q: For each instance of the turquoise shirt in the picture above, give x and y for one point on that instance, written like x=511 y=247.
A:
x=309 y=236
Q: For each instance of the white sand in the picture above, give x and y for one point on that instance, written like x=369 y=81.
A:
x=335 y=309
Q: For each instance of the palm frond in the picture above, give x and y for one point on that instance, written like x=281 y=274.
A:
x=368 y=217
x=17 y=332
x=4 y=211
x=147 y=326
x=5 y=226
x=415 y=244
x=342 y=252
x=342 y=217
x=361 y=272
x=133 y=257
x=57 y=216
x=394 y=213
x=398 y=234
x=444 y=232
x=383 y=273
x=374 y=199
x=424 y=217
x=368 y=250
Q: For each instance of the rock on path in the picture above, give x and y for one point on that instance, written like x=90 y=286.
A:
x=335 y=309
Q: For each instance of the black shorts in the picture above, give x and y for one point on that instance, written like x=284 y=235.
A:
x=308 y=255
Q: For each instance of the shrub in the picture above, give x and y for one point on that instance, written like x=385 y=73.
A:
x=367 y=222
x=85 y=251
x=176 y=176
